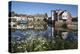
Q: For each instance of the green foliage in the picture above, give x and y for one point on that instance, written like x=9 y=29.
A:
x=31 y=43
x=13 y=13
x=75 y=19
x=39 y=43
x=70 y=44
x=65 y=44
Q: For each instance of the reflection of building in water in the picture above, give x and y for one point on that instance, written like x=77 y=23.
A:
x=28 y=21
x=64 y=35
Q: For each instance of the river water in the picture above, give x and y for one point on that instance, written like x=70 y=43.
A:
x=47 y=33
x=21 y=34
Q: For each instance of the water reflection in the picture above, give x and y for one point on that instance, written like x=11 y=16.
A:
x=66 y=34
x=43 y=39
x=46 y=32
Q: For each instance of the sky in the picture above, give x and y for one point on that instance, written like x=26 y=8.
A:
x=41 y=8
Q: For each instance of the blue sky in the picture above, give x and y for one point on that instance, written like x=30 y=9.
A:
x=34 y=8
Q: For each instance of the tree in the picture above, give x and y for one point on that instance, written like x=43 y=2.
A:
x=46 y=15
x=75 y=19
x=13 y=13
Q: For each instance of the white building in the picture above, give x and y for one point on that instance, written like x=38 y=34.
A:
x=66 y=15
x=26 y=21
x=17 y=21
x=13 y=22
